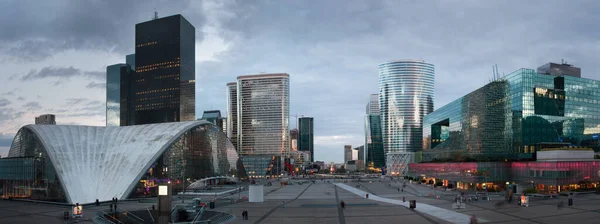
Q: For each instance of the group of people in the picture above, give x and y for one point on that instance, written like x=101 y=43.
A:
x=114 y=204
x=244 y=215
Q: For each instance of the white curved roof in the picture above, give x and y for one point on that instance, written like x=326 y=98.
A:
x=105 y=162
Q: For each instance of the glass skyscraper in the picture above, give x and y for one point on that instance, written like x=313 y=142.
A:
x=516 y=116
x=373 y=147
x=406 y=91
x=263 y=122
x=306 y=135
x=118 y=94
x=164 y=79
x=232 y=113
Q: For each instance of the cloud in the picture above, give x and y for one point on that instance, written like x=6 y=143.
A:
x=21 y=98
x=100 y=85
x=4 y=102
x=61 y=73
x=75 y=101
x=9 y=93
x=95 y=25
x=32 y=106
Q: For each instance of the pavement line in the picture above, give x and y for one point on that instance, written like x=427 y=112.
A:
x=416 y=212
x=278 y=206
x=440 y=213
x=341 y=215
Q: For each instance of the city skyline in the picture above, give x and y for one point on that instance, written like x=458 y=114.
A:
x=57 y=65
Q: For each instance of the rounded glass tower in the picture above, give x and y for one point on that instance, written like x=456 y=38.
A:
x=405 y=97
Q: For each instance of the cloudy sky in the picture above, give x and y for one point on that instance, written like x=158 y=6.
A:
x=54 y=54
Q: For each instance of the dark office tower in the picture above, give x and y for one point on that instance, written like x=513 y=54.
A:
x=213 y=116
x=130 y=60
x=306 y=135
x=164 y=79
x=232 y=124
x=118 y=95
x=45 y=119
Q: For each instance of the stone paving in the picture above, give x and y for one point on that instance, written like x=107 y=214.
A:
x=319 y=203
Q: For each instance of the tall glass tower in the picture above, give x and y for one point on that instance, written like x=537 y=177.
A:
x=306 y=134
x=405 y=96
x=232 y=115
x=263 y=122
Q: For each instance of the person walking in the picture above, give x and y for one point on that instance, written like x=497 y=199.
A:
x=343 y=204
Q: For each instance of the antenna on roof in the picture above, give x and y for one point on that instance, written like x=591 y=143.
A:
x=155 y=14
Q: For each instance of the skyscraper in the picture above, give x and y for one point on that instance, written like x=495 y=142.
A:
x=306 y=135
x=263 y=122
x=405 y=97
x=45 y=119
x=164 y=79
x=361 y=152
x=373 y=147
x=232 y=113
x=118 y=95
x=373 y=105
x=294 y=139
x=347 y=153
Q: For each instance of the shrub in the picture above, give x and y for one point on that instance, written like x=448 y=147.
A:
x=439 y=184
x=530 y=191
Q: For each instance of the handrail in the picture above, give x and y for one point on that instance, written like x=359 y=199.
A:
x=108 y=215
x=133 y=215
x=151 y=217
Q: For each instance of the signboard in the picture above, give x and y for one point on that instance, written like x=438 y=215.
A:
x=163 y=190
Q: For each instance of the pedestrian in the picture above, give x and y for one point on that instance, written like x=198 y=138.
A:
x=97 y=202
x=343 y=205
x=398 y=189
x=403 y=199
x=402 y=189
x=367 y=196
x=111 y=207
x=115 y=207
x=283 y=204
x=474 y=219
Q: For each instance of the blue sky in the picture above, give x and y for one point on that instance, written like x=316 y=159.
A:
x=54 y=54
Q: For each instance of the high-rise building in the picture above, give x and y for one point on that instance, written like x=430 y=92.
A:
x=118 y=95
x=406 y=91
x=45 y=119
x=164 y=79
x=374 y=141
x=294 y=139
x=306 y=135
x=516 y=116
x=130 y=60
x=224 y=125
x=213 y=116
x=232 y=113
x=373 y=147
x=263 y=122
x=373 y=105
x=347 y=153
x=361 y=152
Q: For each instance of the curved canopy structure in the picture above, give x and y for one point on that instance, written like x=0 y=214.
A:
x=101 y=162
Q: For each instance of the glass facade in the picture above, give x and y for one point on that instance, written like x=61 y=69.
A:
x=405 y=97
x=213 y=116
x=117 y=94
x=549 y=176
x=306 y=135
x=232 y=113
x=374 y=141
x=164 y=79
x=201 y=151
x=514 y=117
x=263 y=121
x=28 y=171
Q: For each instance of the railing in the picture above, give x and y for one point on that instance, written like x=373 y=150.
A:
x=107 y=217
x=150 y=213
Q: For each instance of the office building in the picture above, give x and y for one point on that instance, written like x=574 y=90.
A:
x=163 y=84
x=45 y=119
x=213 y=116
x=263 y=122
x=53 y=162
x=119 y=109
x=516 y=116
x=524 y=130
x=373 y=105
x=375 y=157
x=361 y=152
x=347 y=153
x=294 y=139
x=232 y=114
x=306 y=135
x=406 y=95
x=224 y=125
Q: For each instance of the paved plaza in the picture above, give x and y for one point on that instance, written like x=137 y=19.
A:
x=319 y=203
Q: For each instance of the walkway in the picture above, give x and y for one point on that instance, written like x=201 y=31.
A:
x=443 y=214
